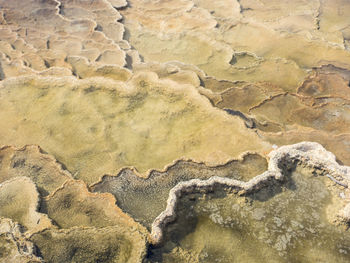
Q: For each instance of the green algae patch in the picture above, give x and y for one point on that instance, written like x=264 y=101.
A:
x=98 y=126
x=282 y=222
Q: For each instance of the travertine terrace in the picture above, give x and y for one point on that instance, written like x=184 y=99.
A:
x=174 y=131
x=309 y=154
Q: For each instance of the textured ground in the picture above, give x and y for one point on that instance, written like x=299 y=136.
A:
x=107 y=105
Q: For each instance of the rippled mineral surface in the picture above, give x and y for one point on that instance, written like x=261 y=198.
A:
x=174 y=131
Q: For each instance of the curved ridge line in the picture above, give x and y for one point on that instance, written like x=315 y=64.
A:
x=145 y=174
x=310 y=153
x=167 y=167
x=29 y=232
x=60 y=166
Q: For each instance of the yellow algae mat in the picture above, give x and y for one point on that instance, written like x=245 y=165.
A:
x=174 y=131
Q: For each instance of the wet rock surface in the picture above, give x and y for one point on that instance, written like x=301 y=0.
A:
x=153 y=131
x=286 y=222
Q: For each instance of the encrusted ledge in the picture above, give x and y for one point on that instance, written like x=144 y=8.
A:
x=310 y=154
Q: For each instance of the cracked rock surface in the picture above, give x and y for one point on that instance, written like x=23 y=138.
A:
x=174 y=131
